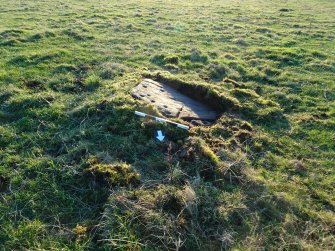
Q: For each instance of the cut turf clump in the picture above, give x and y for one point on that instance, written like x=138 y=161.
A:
x=195 y=149
x=116 y=174
x=200 y=159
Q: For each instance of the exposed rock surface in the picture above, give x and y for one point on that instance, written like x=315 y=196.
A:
x=171 y=103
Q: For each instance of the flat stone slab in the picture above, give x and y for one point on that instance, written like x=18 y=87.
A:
x=171 y=103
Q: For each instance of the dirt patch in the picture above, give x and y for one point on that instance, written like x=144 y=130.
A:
x=34 y=84
x=3 y=184
x=285 y=10
x=173 y=103
x=172 y=204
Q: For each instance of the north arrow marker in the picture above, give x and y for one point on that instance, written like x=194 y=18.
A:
x=160 y=135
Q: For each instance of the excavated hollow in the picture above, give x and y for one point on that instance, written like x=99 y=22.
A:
x=171 y=103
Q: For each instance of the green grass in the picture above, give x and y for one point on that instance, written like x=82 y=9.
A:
x=261 y=177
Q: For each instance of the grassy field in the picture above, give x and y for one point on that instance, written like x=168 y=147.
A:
x=78 y=170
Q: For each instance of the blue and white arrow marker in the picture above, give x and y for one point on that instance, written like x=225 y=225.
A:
x=160 y=136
